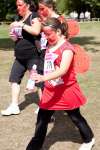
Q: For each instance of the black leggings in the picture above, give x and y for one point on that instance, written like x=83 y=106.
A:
x=43 y=119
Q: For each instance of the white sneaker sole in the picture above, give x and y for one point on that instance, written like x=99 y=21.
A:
x=9 y=114
x=86 y=147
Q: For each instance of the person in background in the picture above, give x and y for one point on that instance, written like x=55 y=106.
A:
x=81 y=16
x=24 y=32
x=71 y=14
x=74 y=15
x=47 y=9
x=61 y=91
x=87 y=15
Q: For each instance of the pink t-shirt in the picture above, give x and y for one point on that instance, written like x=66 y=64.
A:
x=62 y=93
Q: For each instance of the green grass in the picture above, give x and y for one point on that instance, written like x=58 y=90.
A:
x=89 y=25
x=5 y=42
x=4 y=31
x=89 y=35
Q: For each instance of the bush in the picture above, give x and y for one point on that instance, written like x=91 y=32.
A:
x=10 y=17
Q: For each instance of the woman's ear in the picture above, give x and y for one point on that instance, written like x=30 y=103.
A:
x=28 y=6
x=58 y=31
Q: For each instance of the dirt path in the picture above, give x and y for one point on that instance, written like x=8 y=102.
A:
x=16 y=131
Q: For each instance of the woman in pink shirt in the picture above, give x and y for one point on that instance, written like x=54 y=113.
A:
x=61 y=91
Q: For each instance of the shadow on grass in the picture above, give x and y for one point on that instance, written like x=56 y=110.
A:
x=6 y=44
x=29 y=99
x=84 y=41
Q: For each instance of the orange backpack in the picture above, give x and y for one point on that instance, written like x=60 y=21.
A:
x=81 y=59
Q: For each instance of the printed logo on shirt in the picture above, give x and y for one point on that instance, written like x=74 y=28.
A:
x=50 y=67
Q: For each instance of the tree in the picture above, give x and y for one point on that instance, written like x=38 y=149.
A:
x=95 y=7
x=62 y=6
x=7 y=6
x=2 y=9
x=79 y=5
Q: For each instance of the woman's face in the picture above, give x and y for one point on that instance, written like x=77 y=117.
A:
x=21 y=7
x=51 y=35
x=44 y=11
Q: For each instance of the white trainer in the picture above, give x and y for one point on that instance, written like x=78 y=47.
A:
x=11 y=110
x=87 y=146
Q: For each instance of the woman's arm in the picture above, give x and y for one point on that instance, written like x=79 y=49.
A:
x=64 y=66
x=35 y=27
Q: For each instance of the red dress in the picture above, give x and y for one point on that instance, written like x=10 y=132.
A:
x=64 y=92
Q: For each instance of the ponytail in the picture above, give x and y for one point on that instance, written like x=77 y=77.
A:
x=64 y=26
x=64 y=29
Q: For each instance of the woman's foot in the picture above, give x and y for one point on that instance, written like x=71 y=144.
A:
x=11 y=110
x=88 y=146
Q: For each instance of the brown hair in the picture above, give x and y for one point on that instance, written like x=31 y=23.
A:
x=56 y=24
x=33 y=4
x=49 y=3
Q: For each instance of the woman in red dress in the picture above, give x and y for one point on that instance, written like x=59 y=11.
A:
x=61 y=91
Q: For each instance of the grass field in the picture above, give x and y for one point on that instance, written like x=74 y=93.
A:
x=16 y=131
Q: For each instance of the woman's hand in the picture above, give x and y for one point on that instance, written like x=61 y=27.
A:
x=16 y=30
x=13 y=24
x=11 y=33
x=37 y=77
x=17 y=23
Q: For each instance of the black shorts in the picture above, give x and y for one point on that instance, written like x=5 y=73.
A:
x=20 y=67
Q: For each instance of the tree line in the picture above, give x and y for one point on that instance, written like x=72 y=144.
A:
x=8 y=7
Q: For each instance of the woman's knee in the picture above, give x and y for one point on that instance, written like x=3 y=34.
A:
x=76 y=116
x=44 y=116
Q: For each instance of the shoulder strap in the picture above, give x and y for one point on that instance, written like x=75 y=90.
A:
x=67 y=45
x=32 y=16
